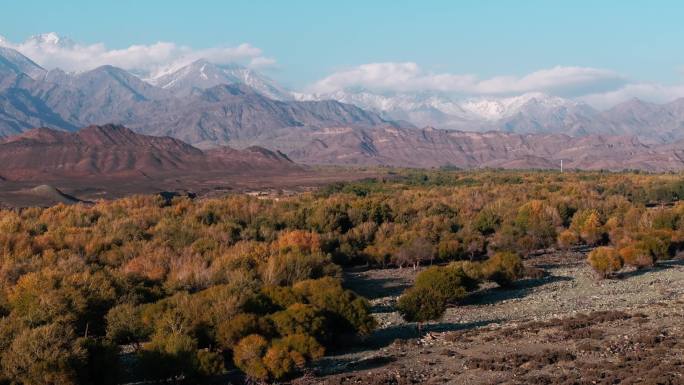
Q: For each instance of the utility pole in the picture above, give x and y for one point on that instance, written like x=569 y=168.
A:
x=561 y=166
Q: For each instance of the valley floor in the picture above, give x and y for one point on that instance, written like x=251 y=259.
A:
x=211 y=185
x=564 y=328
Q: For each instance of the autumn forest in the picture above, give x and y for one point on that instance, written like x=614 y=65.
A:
x=151 y=288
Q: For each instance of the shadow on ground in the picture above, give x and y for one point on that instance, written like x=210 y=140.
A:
x=373 y=288
x=382 y=338
x=661 y=265
x=520 y=289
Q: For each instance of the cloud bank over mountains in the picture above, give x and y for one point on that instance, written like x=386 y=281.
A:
x=599 y=87
x=410 y=77
x=51 y=50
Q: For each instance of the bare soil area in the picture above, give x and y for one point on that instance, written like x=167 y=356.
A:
x=204 y=184
x=566 y=327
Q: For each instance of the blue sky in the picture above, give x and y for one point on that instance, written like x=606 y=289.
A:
x=309 y=40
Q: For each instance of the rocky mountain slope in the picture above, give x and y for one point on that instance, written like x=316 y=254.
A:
x=202 y=74
x=238 y=115
x=202 y=114
x=430 y=147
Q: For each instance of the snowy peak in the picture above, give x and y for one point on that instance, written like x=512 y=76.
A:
x=533 y=111
x=388 y=102
x=202 y=74
x=420 y=109
x=50 y=39
x=474 y=109
x=495 y=109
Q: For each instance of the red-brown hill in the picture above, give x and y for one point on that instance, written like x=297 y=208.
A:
x=113 y=151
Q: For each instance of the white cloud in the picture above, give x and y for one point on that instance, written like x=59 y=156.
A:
x=52 y=51
x=262 y=62
x=651 y=92
x=562 y=81
x=399 y=77
x=408 y=76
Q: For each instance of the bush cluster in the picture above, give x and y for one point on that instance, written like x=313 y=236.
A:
x=439 y=286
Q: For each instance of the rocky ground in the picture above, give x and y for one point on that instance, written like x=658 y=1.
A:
x=565 y=327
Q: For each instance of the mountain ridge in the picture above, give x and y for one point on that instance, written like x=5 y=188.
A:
x=115 y=151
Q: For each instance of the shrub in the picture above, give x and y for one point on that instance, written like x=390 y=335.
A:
x=665 y=219
x=413 y=252
x=421 y=304
x=301 y=319
x=657 y=246
x=305 y=345
x=44 y=355
x=605 y=261
x=281 y=362
x=473 y=270
x=567 y=239
x=587 y=223
x=537 y=221
x=449 y=248
x=229 y=332
x=169 y=356
x=294 y=266
x=349 y=312
x=647 y=250
x=637 y=255
x=503 y=268
x=281 y=296
x=486 y=222
x=125 y=326
x=591 y=230
x=209 y=363
x=298 y=240
x=248 y=356
x=451 y=282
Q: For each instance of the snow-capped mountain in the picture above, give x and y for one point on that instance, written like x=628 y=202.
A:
x=202 y=74
x=495 y=109
x=420 y=109
x=391 y=102
x=11 y=61
x=31 y=96
x=531 y=112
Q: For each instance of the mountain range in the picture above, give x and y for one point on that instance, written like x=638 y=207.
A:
x=528 y=113
x=204 y=112
x=207 y=105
